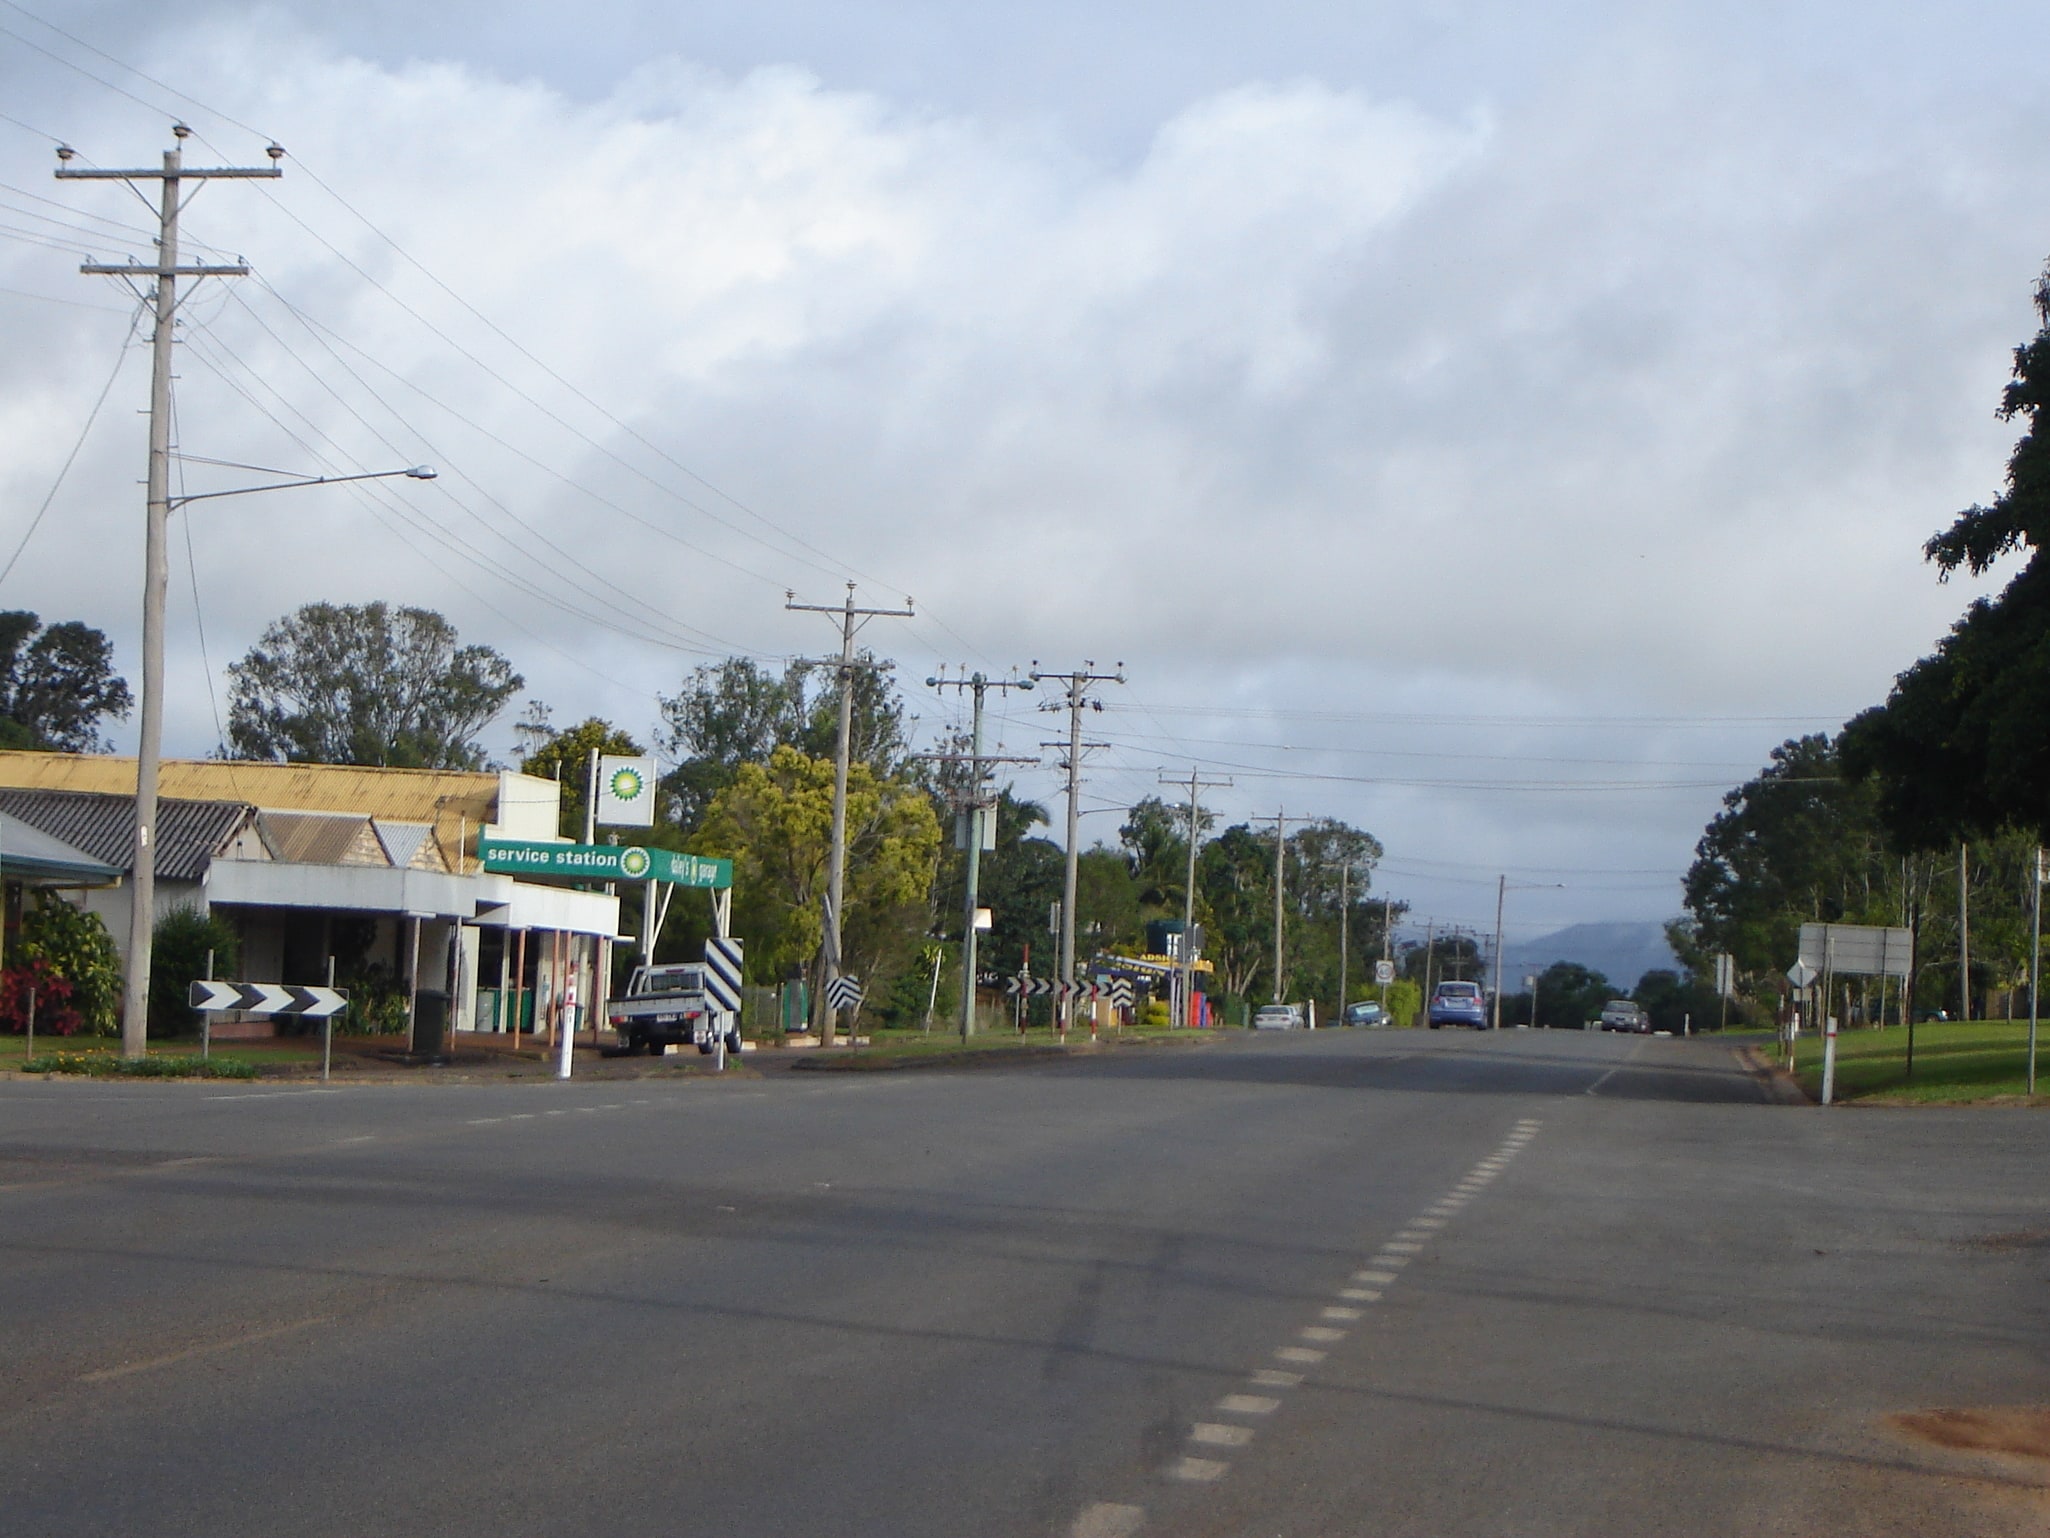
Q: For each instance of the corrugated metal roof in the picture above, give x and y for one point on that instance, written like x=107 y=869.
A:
x=322 y=838
x=189 y=833
x=410 y=844
x=452 y=801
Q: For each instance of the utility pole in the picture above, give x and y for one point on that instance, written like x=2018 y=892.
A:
x=1387 y=943
x=1187 y=973
x=156 y=559
x=1078 y=700
x=1281 y=821
x=1344 y=931
x=850 y=618
x=1495 y=1008
x=1964 y=933
x=975 y=805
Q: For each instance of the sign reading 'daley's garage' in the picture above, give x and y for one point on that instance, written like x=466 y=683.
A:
x=602 y=862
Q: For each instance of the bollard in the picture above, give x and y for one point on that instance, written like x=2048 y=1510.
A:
x=1828 y=1059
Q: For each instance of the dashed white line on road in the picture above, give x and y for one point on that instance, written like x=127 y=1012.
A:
x=1217 y=1434
x=1107 y=1519
x=1360 y=1294
x=1383 y=1258
x=275 y=1094
x=1302 y=1354
x=1247 y=1404
x=1339 y=1314
x=1197 y=1470
x=1400 y=1247
x=129 y=1369
x=365 y=1138
x=1274 y=1377
x=1319 y=1332
x=1378 y=1278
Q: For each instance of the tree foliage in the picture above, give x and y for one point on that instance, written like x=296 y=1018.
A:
x=774 y=821
x=178 y=955
x=1798 y=843
x=565 y=757
x=57 y=685
x=1962 y=745
x=737 y=712
x=366 y=684
x=74 y=945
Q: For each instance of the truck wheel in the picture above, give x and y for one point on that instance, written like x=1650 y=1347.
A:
x=705 y=1047
x=733 y=1043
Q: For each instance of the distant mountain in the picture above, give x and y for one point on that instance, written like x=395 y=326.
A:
x=1621 y=952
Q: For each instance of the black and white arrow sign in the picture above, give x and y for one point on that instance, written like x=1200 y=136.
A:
x=843 y=992
x=269 y=999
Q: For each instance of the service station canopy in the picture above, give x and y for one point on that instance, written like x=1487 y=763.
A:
x=602 y=862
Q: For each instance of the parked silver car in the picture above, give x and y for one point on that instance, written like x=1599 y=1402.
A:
x=1278 y=1017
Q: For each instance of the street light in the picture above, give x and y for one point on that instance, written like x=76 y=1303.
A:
x=1501 y=890
x=149 y=739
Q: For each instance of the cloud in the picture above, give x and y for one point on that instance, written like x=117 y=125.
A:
x=1633 y=392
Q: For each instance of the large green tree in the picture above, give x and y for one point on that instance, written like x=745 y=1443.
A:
x=775 y=820
x=1962 y=745
x=57 y=685
x=738 y=712
x=366 y=684
x=1797 y=843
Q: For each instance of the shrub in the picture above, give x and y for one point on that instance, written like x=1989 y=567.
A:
x=184 y=936
x=76 y=946
x=35 y=983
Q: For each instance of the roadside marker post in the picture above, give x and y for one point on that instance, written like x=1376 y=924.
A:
x=567 y=1035
x=1828 y=1058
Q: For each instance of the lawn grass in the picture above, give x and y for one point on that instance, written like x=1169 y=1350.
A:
x=1956 y=1062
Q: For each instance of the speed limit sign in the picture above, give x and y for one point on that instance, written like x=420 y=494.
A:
x=1384 y=972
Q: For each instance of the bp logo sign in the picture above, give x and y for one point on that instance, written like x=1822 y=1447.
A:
x=633 y=862
x=627 y=785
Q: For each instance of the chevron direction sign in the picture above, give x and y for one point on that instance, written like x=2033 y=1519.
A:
x=269 y=999
x=722 y=973
x=1121 y=992
x=844 y=993
x=1047 y=988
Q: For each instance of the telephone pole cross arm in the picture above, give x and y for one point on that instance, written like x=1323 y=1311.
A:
x=851 y=619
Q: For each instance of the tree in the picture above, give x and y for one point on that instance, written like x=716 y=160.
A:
x=737 y=712
x=774 y=821
x=1962 y=745
x=1569 y=995
x=366 y=684
x=565 y=757
x=1796 y=844
x=57 y=686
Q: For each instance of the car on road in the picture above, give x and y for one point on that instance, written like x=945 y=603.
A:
x=1278 y=1017
x=1455 y=1003
x=1365 y=1013
x=1625 y=1015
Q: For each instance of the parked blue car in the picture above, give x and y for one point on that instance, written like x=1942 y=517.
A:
x=1458 y=1004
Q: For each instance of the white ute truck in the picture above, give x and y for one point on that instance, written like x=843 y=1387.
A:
x=668 y=1005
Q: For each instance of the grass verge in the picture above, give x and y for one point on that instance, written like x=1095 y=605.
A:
x=111 y=1065
x=1956 y=1063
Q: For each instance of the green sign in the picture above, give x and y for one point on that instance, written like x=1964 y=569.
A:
x=602 y=862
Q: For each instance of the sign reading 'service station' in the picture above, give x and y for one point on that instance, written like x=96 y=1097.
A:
x=602 y=862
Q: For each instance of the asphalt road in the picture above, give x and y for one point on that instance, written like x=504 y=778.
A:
x=1403 y=1283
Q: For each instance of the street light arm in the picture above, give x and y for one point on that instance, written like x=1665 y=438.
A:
x=415 y=472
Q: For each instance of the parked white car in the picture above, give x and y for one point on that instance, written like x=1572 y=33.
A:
x=1278 y=1017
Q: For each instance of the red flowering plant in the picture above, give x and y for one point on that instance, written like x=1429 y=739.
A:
x=51 y=993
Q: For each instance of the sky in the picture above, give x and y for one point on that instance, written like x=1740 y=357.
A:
x=1494 y=426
